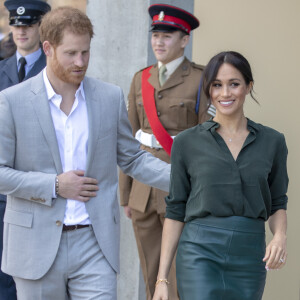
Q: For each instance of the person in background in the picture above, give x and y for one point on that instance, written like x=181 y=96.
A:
x=228 y=176
x=7 y=47
x=29 y=60
x=62 y=137
x=164 y=99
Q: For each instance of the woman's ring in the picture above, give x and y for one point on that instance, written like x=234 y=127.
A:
x=281 y=260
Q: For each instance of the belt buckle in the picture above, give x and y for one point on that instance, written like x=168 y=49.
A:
x=154 y=142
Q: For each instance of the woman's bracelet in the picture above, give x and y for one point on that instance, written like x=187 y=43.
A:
x=162 y=280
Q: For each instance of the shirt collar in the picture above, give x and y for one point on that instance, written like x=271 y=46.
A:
x=51 y=94
x=252 y=126
x=30 y=58
x=173 y=65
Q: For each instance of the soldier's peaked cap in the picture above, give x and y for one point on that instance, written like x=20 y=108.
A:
x=26 y=12
x=169 y=18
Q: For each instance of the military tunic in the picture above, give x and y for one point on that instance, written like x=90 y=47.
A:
x=176 y=109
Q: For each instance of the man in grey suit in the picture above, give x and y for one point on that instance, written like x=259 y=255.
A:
x=62 y=136
x=24 y=19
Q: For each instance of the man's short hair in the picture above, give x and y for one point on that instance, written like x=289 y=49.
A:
x=55 y=22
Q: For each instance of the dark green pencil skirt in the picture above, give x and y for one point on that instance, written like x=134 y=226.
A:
x=221 y=259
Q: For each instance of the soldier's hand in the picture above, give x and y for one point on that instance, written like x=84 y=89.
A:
x=73 y=185
x=127 y=211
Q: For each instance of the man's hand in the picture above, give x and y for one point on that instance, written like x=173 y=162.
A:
x=127 y=211
x=73 y=185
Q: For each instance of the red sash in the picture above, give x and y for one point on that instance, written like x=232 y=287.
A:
x=159 y=131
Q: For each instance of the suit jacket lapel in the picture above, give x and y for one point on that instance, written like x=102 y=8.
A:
x=11 y=69
x=40 y=104
x=153 y=79
x=93 y=104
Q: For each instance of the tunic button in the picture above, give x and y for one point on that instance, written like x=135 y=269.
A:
x=181 y=104
x=58 y=223
x=159 y=96
x=158 y=113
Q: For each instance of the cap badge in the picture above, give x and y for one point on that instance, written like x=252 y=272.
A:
x=20 y=10
x=161 y=16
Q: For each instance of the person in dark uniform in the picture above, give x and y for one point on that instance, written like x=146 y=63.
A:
x=173 y=86
x=228 y=176
x=28 y=61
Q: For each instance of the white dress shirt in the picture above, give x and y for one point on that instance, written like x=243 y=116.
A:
x=72 y=137
x=172 y=66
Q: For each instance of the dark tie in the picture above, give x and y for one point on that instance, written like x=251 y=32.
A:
x=21 y=73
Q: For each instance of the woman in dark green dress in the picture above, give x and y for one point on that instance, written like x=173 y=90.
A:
x=228 y=177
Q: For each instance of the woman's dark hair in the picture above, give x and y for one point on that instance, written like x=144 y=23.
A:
x=235 y=59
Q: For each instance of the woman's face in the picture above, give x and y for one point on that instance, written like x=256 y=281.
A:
x=228 y=91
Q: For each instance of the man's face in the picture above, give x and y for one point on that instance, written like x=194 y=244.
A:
x=70 y=58
x=168 y=46
x=26 y=38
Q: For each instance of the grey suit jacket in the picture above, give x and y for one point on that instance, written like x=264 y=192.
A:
x=30 y=160
x=9 y=70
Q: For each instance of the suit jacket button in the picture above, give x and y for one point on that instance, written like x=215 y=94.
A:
x=58 y=223
x=159 y=96
x=181 y=104
x=158 y=113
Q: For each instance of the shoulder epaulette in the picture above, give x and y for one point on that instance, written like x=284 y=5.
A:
x=197 y=66
x=141 y=70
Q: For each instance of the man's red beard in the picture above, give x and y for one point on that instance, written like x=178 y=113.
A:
x=68 y=75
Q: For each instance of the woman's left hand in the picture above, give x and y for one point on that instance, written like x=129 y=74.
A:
x=276 y=255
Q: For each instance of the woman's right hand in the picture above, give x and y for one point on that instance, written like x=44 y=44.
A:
x=161 y=291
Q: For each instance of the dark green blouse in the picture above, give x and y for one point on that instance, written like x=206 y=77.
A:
x=206 y=180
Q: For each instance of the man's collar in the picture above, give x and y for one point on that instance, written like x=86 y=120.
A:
x=172 y=65
x=51 y=93
x=30 y=58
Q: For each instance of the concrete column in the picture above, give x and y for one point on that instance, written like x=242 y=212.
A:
x=120 y=48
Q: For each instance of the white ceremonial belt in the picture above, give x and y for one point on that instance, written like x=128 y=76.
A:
x=148 y=139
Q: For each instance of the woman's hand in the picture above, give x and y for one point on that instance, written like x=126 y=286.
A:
x=161 y=291
x=276 y=254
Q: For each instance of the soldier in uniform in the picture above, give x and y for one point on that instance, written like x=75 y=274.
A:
x=28 y=61
x=164 y=99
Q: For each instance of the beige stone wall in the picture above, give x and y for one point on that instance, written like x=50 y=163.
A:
x=80 y=4
x=4 y=28
x=267 y=33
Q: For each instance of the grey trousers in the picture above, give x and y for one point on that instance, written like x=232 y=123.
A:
x=80 y=271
